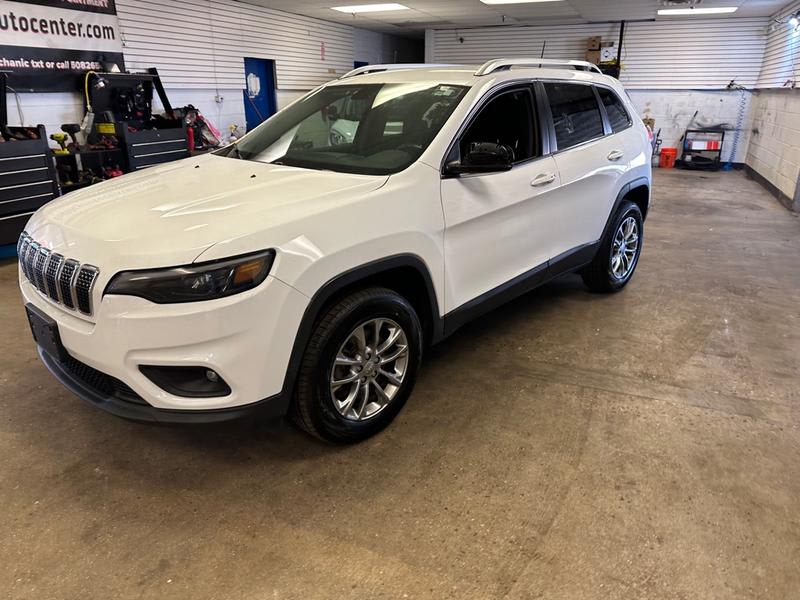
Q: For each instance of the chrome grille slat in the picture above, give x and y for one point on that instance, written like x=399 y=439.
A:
x=45 y=266
x=32 y=249
x=33 y=252
x=63 y=280
x=23 y=250
x=50 y=276
x=38 y=268
x=83 y=288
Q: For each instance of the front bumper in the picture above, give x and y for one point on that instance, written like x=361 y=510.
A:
x=275 y=406
x=246 y=338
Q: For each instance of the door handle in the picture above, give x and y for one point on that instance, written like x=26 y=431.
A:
x=543 y=179
x=615 y=155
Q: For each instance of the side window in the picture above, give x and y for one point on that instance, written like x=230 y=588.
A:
x=506 y=119
x=617 y=115
x=576 y=114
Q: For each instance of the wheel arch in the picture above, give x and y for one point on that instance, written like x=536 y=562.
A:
x=406 y=274
x=638 y=192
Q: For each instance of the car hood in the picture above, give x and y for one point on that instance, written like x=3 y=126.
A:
x=170 y=214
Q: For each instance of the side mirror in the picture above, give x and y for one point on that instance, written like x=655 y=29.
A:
x=484 y=157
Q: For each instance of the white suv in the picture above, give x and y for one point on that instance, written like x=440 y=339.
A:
x=303 y=269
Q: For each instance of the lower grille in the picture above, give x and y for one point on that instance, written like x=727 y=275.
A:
x=104 y=385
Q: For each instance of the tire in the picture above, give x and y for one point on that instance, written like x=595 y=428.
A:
x=338 y=415
x=604 y=273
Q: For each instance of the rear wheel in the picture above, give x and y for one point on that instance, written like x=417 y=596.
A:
x=618 y=255
x=359 y=368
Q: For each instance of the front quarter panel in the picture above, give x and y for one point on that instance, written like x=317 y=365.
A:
x=402 y=217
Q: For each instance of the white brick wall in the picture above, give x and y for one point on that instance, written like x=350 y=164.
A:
x=673 y=109
x=774 y=152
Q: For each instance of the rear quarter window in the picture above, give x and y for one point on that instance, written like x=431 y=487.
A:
x=618 y=117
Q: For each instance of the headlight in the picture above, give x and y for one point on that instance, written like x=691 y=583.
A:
x=191 y=283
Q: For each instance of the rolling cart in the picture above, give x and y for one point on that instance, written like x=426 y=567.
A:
x=702 y=149
x=27 y=176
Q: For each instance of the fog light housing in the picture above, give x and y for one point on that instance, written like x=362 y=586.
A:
x=187 y=382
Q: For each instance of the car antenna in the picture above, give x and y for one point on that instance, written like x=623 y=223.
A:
x=544 y=45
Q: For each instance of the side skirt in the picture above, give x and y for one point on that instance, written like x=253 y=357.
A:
x=569 y=261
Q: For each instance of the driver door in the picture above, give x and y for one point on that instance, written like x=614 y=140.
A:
x=499 y=226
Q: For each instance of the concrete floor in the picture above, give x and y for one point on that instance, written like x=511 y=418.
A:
x=641 y=445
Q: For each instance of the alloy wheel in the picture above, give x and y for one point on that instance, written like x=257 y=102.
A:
x=624 y=249
x=369 y=369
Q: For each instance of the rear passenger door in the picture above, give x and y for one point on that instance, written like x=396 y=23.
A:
x=591 y=162
x=620 y=123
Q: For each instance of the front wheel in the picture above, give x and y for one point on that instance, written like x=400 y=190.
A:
x=359 y=368
x=618 y=255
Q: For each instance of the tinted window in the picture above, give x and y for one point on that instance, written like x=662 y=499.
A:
x=617 y=115
x=506 y=119
x=576 y=114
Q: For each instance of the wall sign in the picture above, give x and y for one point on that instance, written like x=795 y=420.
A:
x=47 y=45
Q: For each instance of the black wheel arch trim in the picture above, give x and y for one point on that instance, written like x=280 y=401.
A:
x=641 y=182
x=341 y=282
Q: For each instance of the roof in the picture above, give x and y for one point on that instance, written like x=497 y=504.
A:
x=494 y=70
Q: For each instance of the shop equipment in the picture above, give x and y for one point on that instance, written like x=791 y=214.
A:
x=72 y=129
x=122 y=108
x=61 y=140
x=27 y=175
x=702 y=149
x=27 y=182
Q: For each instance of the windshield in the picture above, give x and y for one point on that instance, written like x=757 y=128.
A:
x=374 y=129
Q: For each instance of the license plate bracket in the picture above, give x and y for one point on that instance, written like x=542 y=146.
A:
x=45 y=333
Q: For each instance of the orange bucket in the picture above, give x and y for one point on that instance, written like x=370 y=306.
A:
x=668 y=158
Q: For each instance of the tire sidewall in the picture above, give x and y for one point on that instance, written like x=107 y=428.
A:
x=627 y=209
x=324 y=414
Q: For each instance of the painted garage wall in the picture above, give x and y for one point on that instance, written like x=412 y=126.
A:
x=674 y=109
x=781 y=64
x=679 y=54
x=198 y=47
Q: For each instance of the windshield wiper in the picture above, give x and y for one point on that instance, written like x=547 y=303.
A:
x=235 y=152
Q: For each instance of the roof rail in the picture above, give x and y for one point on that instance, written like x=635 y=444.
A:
x=499 y=64
x=393 y=67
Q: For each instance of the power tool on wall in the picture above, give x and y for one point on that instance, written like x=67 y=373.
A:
x=61 y=140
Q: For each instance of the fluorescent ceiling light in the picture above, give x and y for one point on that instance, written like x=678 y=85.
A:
x=365 y=8
x=710 y=10
x=516 y=1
